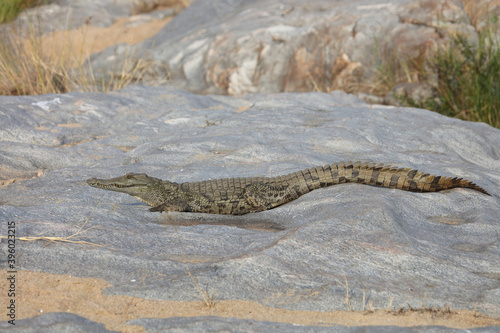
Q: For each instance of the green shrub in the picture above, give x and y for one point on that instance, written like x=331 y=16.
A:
x=468 y=85
x=9 y=9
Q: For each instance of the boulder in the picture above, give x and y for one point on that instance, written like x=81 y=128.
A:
x=240 y=47
x=71 y=14
x=384 y=248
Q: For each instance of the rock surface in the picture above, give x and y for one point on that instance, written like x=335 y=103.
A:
x=253 y=46
x=400 y=248
x=56 y=323
x=69 y=323
x=71 y=14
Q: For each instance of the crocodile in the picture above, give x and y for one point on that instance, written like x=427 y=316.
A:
x=240 y=196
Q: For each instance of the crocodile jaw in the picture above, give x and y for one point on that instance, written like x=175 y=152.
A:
x=133 y=184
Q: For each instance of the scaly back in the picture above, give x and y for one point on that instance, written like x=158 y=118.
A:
x=307 y=180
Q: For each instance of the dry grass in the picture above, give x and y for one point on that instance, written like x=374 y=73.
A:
x=208 y=297
x=347 y=295
x=65 y=239
x=394 y=68
x=480 y=11
x=24 y=68
x=434 y=312
x=28 y=66
x=33 y=64
x=145 y=6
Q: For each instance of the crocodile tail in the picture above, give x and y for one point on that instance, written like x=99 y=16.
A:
x=386 y=176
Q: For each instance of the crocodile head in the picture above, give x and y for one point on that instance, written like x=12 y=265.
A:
x=138 y=185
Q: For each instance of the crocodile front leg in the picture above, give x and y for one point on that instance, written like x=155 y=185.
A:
x=174 y=205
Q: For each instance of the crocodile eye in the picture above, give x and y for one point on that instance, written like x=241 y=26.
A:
x=129 y=176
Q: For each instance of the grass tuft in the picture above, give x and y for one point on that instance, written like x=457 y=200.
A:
x=24 y=68
x=207 y=296
x=347 y=295
x=65 y=239
x=31 y=65
x=468 y=81
x=434 y=312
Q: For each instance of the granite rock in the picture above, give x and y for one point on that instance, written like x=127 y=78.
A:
x=71 y=14
x=238 y=47
x=438 y=248
x=55 y=323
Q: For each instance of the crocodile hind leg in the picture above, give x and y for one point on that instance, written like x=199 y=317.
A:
x=262 y=196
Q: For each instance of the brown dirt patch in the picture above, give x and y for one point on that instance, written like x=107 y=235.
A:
x=40 y=292
x=83 y=42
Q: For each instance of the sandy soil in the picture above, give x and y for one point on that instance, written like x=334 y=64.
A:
x=82 y=42
x=40 y=292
